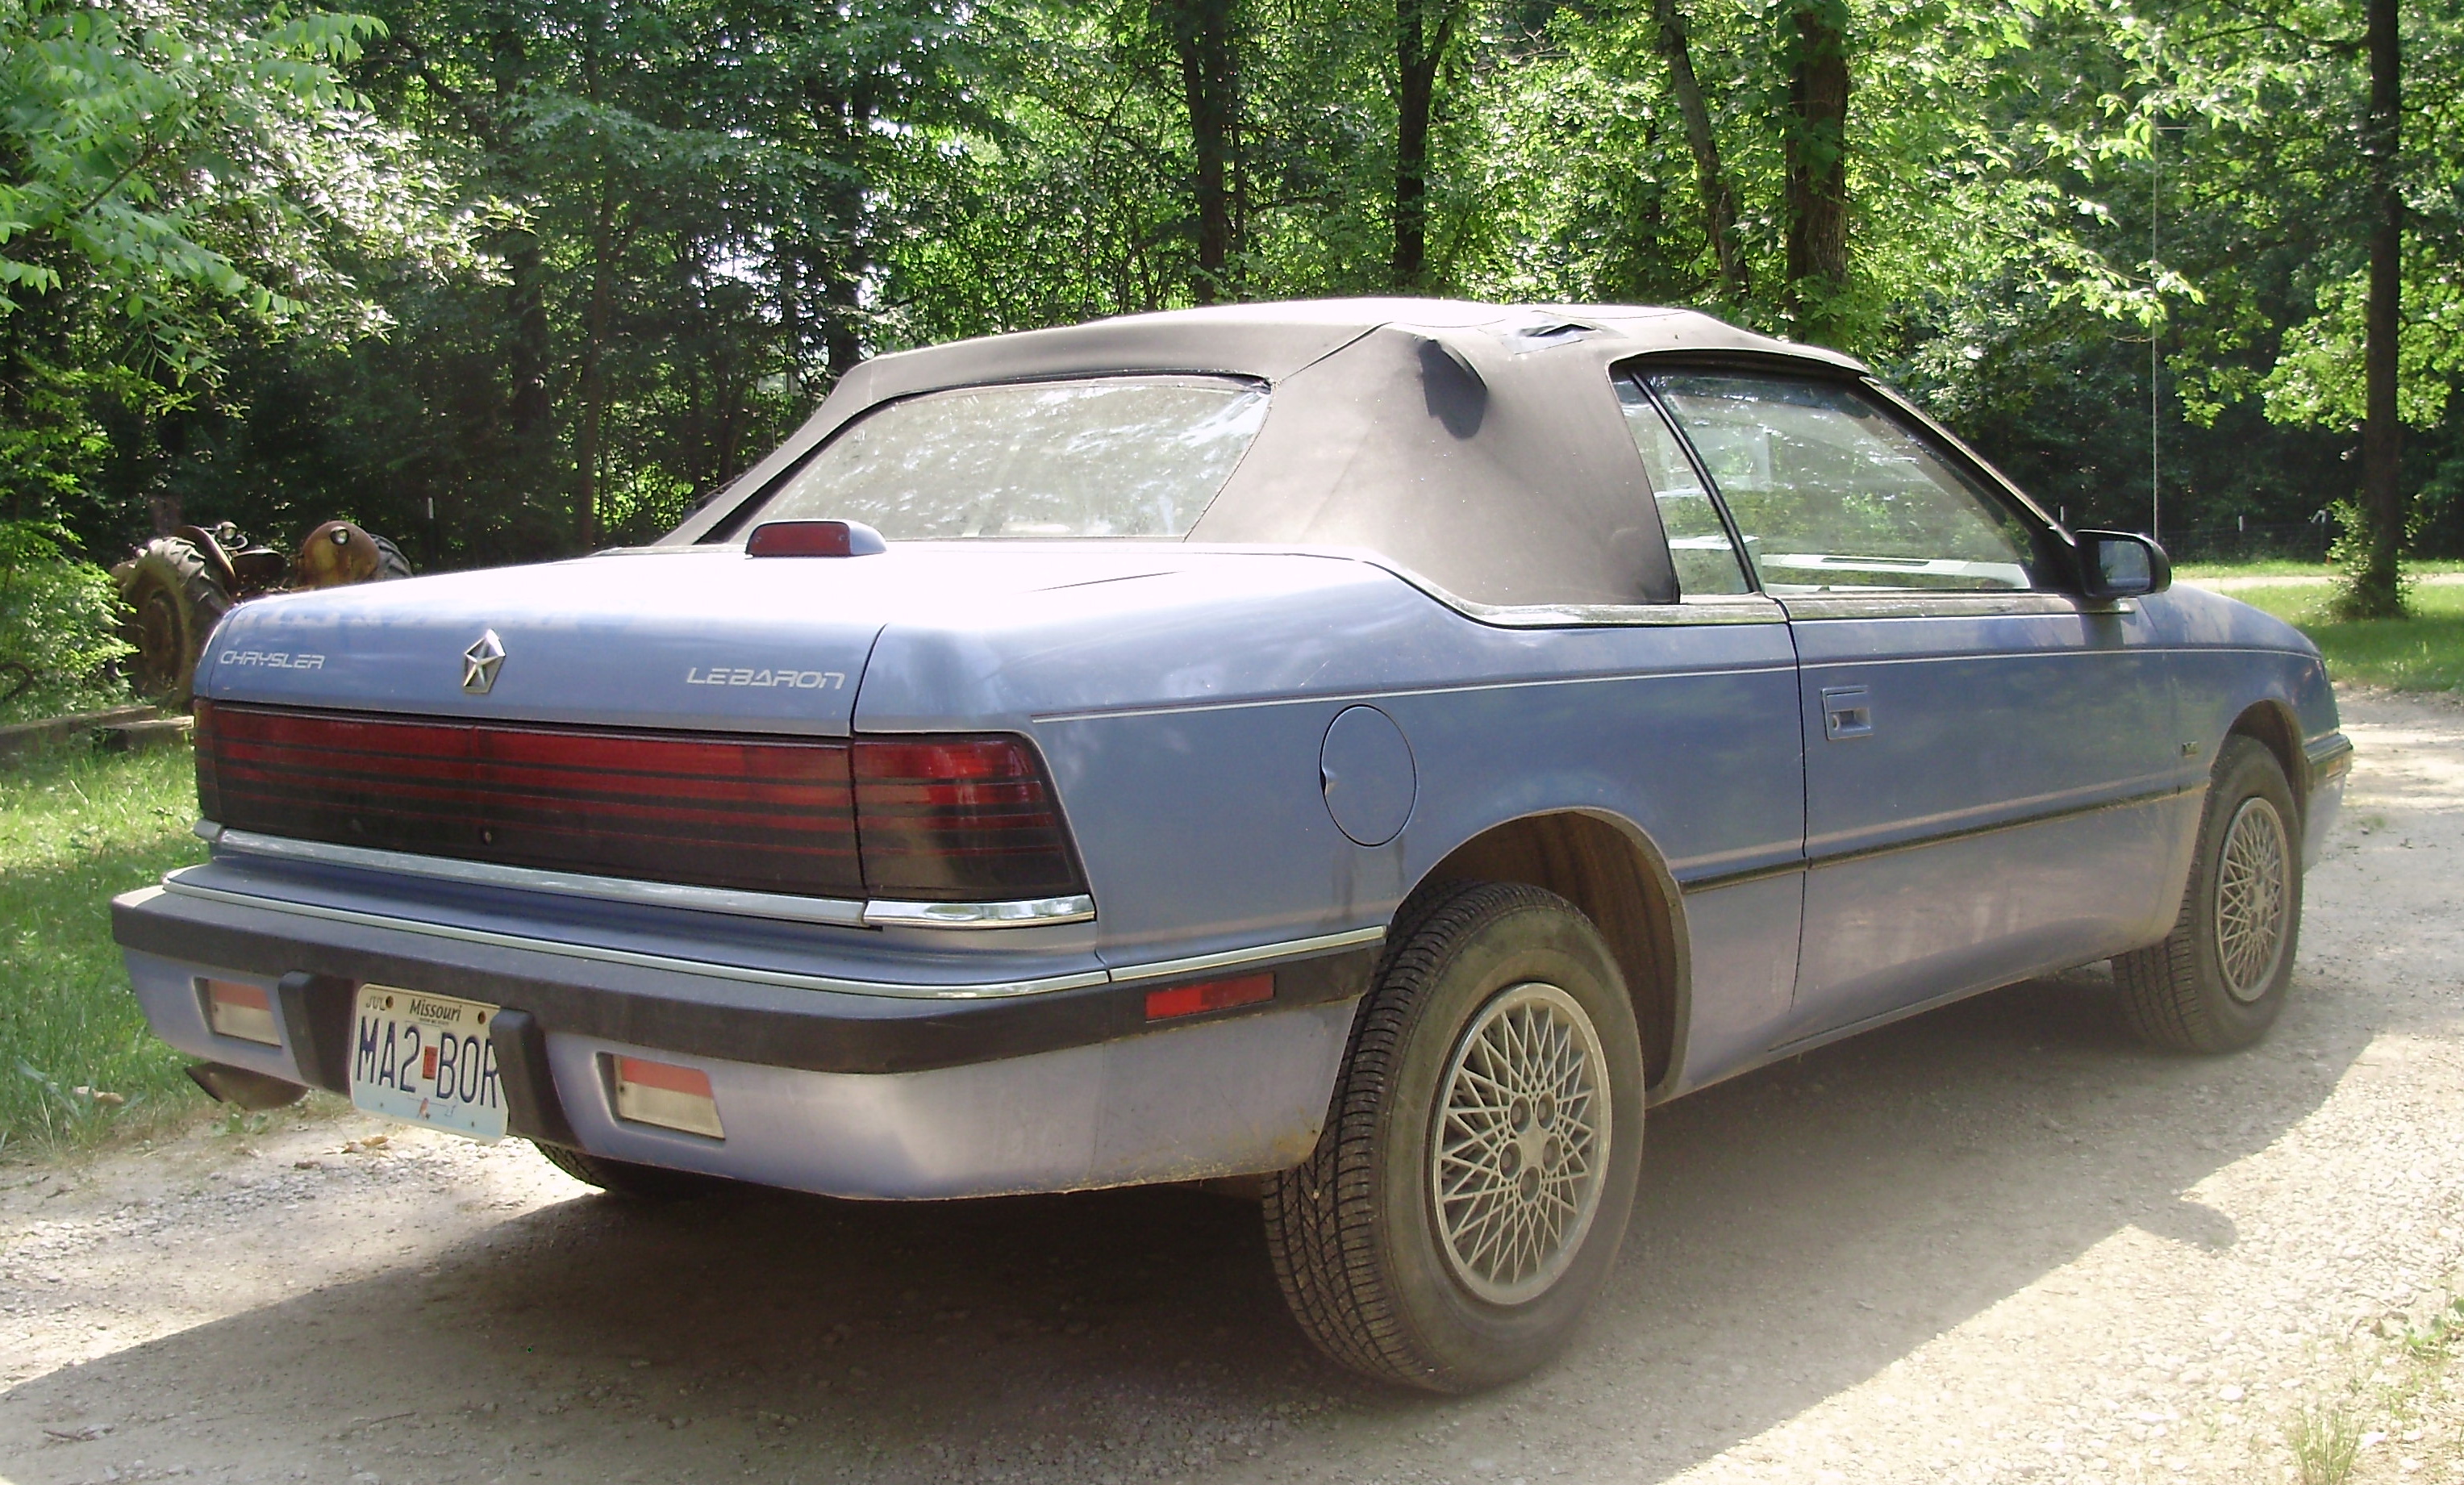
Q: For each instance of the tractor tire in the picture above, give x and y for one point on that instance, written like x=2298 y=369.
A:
x=391 y=564
x=174 y=602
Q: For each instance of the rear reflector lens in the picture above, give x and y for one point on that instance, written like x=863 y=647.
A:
x=814 y=539
x=242 y=1010
x=1190 y=999
x=665 y=1095
x=959 y=820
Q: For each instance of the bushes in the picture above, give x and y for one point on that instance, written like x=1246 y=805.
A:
x=59 y=627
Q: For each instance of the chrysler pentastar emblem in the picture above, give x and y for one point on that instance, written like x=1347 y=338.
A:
x=481 y=662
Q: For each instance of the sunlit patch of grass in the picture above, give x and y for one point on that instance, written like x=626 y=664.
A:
x=78 y=826
x=2326 y=1442
x=2424 y=653
x=2285 y=567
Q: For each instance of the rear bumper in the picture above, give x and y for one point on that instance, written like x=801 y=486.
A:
x=823 y=1089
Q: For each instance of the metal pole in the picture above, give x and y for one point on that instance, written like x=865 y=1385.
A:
x=2156 y=313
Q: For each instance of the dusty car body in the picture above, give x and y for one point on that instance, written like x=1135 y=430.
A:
x=1007 y=855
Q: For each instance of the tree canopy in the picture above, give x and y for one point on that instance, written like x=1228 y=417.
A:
x=505 y=279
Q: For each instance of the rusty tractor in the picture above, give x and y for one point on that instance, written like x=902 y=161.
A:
x=178 y=587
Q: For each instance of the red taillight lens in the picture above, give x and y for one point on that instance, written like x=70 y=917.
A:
x=210 y=797
x=959 y=820
x=814 y=539
x=763 y=814
x=965 y=819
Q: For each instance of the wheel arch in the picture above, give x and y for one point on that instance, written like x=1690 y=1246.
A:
x=2271 y=724
x=1609 y=870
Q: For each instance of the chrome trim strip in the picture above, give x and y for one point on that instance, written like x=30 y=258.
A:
x=840 y=912
x=1002 y=989
x=1692 y=610
x=1900 y=603
x=1026 y=913
x=1293 y=949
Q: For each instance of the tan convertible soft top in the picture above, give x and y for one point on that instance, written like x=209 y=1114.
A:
x=1476 y=445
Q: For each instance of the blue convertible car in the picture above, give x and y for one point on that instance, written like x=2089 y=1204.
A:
x=1379 y=747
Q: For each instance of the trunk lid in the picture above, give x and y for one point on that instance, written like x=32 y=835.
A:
x=696 y=639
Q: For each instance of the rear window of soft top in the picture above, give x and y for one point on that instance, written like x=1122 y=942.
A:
x=1092 y=457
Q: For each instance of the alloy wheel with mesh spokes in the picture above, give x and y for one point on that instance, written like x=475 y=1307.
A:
x=2220 y=978
x=1522 y=1136
x=2250 y=899
x=1482 y=1150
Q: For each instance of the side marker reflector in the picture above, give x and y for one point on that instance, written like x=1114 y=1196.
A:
x=242 y=1010
x=1190 y=999
x=668 y=1096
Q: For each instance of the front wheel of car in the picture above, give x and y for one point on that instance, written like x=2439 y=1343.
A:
x=2220 y=979
x=1473 y=1182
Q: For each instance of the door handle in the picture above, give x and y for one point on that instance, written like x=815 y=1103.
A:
x=1847 y=712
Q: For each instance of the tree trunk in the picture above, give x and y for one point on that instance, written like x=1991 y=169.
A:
x=1422 y=31
x=1202 y=34
x=594 y=375
x=529 y=413
x=1710 y=178
x=1817 y=164
x=2375 y=591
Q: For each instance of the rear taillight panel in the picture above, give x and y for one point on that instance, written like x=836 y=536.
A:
x=743 y=813
x=923 y=819
x=970 y=819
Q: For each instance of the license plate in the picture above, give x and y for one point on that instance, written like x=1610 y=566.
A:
x=426 y=1059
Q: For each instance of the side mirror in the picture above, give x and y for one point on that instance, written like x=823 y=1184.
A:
x=2122 y=565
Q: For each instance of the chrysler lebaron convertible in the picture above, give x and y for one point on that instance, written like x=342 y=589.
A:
x=1368 y=751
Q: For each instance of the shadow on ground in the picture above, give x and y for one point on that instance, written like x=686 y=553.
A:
x=1801 y=1229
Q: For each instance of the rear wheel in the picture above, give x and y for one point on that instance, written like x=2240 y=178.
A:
x=174 y=602
x=2220 y=979
x=1472 y=1186
x=629 y=1179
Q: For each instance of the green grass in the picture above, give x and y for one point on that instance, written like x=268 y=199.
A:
x=2280 y=568
x=78 y=826
x=2424 y=653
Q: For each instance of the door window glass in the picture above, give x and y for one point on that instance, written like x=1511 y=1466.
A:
x=1830 y=494
x=1698 y=541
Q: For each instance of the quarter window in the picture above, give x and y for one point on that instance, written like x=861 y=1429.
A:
x=1698 y=539
x=1830 y=492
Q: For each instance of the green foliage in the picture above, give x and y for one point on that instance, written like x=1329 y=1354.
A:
x=183 y=171
x=59 y=627
x=500 y=281
x=2317 y=381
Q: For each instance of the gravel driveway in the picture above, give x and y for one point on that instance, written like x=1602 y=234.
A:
x=1995 y=1243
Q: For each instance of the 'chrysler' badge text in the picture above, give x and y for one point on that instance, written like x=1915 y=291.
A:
x=481 y=662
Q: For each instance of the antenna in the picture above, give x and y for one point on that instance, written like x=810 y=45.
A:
x=2156 y=302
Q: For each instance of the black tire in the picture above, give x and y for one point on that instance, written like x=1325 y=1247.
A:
x=2196 y=991
x=174 y=602
x=627 y=1178
x=1360 y=1242
x=391 y=564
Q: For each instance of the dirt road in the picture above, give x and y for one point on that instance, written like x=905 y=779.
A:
x=1997 y=1242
